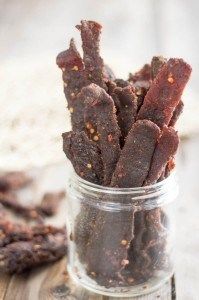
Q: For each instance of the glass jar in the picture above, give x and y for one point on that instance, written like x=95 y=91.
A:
x=120 y=240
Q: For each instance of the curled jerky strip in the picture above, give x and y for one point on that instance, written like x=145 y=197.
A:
x=23 y=255
x=126 y=105
x=102 y=127
x=13 y=181
x=84 y=155
x=164 y=151
x=94 y=66
x=135 y=159
x=74 y=78
x=165 y=92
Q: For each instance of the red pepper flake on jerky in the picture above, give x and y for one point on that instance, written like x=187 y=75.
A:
x=165 y=92
x=165 y=150
x=84 y=155
x=135 y=159
x=100 y=117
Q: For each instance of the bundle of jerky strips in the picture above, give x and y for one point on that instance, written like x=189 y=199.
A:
x=122 y=136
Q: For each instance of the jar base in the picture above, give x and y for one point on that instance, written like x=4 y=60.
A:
x=148 y=287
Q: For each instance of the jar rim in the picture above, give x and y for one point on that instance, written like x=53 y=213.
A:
x=114 y=199
x=114 y=190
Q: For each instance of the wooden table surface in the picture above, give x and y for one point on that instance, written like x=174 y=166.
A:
x=53 y=282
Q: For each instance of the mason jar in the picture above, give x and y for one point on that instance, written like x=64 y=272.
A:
x=120 y=239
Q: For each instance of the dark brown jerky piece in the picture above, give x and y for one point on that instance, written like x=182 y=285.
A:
x=135 y=159
x=50 y=203
x=177 y=112
x=10 y=201
x=101 y=123
x=126 y=105
x=74 y=78
x=121 y=83
x=165 y=92
x=84 y=155
x=13 y=181
x=142 y=75
x=110 y=245
x=164 y=151
x=156 y=64
x=13 y=232
x=24 y=255
x=94 y=66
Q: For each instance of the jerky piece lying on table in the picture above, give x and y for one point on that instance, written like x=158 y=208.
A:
x=13 y=181
x=24 y=255
x=135 y=159
x=94 y=66
x=165 y=92
x=13 y=232
x=126 y=105
x=102 y=127
x=84 y=155
x=74 y=78
x=10 y=201
x=50 y=203
x=164 y=151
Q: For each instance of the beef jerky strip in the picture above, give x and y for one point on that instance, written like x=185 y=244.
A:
x=101 y=123
x=156 y=64
x=135 y=159
x=114 y=248
x=164 y=151
x=10 y=201
x=13 y=232
x=84 y=155
x=142 y=75
x=126 y=105
x=74 y=78
x=13 y=181
x=50 y=203
x=165 y=92
x=94 y=66
x=24 y=255
x=177 y=112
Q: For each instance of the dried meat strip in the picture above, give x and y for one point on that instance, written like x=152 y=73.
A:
x=164 y=151
x=20 y=256
x=94 y=66
x=126 y=105
x=14 y=180
x=177 y=112
x=13 y=232
x=102 y=127
x=135 y=159
x=50 y=203
x=165 y=92
x=143 y=74
x=156 y=64
x=74 y=78
x=84 y=155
